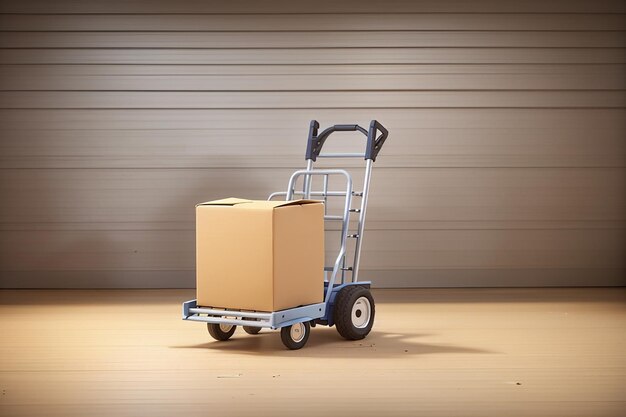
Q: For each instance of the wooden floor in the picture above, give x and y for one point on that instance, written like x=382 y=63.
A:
x=504 y=352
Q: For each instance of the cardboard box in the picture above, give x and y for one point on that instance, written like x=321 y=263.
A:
x=259 y=255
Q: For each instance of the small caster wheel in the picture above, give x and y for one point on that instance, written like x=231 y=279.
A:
x=295 y=336
x=221 y=331
x=251 y=329
x=354 y=312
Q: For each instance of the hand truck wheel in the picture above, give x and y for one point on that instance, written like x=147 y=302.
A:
x=295 y=336
x=354 y=312
x=251 y=329
x=221 y=331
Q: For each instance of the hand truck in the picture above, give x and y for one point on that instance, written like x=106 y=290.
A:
x=348 y=303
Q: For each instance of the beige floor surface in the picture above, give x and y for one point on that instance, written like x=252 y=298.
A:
x=475 y=352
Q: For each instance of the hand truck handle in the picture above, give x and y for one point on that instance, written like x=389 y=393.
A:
x=374 y=144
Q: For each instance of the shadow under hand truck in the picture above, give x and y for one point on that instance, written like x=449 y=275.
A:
x=348 y=304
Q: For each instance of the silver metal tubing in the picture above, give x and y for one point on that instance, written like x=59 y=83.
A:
x=307 y=180
x=341 y=155
x=290 y=188
x=312 y=194
x=336 y=268
x=317 y=193
x=277 y=194
x=332 y=217
x=234 y=322
x=325 y=193
x=359 y=240
x=229 y=313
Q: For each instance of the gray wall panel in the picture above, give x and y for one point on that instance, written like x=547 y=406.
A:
x=486 y=77
x=423 y=20
x=506 y=164
x=349 y=7
x=316 y=56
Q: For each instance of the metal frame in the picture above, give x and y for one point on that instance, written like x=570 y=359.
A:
x=321 y=311
x=272 y=320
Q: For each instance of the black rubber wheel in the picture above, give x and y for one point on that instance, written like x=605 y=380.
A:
x=295 y=336
x=354 y=312
x=251 y=329
x=221 y=332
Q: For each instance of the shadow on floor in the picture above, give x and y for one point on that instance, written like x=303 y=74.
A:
x=325 y=342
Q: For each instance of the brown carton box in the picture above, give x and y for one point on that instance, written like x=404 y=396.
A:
x=259 y=255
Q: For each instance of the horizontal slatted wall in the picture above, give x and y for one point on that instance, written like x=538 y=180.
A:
x=506 y=163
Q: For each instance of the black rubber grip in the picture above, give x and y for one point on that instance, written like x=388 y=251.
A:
x=375 y=142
